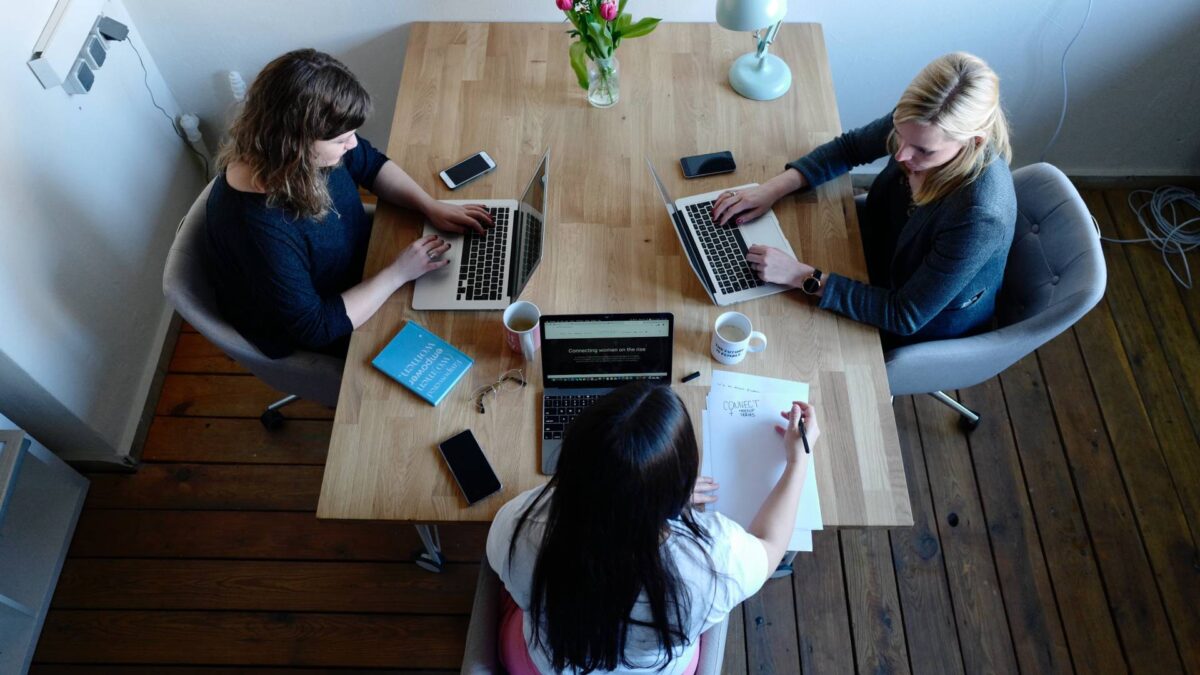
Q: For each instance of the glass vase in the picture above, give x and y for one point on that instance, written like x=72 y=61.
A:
x=604 y=82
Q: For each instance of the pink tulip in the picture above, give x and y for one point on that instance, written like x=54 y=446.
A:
x=565 y=5
x=608 y=11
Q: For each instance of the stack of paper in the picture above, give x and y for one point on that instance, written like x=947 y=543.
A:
x=744 y=453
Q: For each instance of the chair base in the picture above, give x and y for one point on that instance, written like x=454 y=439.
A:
x=968 y=419
x=271 y=418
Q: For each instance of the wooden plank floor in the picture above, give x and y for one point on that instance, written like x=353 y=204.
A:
x=1061 y=536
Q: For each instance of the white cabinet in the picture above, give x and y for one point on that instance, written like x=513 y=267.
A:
x=40 y=500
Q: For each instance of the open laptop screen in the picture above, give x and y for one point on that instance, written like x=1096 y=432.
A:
x=606 y=350
x=529 y=230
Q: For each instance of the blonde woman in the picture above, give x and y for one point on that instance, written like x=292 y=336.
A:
x=286 y=231
x=938 y=220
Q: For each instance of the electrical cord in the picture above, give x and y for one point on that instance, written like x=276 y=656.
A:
x=1165 y=231
x=1062 y=116
x=174 y=125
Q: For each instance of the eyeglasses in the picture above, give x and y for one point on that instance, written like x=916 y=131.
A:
x=512 y=379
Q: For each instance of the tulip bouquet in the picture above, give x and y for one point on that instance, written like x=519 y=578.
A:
x=600 y=25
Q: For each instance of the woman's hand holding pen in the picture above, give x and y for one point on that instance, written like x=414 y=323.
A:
x=795 y=442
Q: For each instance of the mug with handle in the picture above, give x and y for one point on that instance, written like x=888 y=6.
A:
x=733 y=337
x=521 y=328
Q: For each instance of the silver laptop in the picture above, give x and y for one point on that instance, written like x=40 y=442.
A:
x=585 y=356
x=489 y=271
x=718 y=254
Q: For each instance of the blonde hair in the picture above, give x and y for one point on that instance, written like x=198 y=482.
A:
x=299 y=98
x=959 y=94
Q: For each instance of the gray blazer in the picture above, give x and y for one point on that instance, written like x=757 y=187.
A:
x=947 y=261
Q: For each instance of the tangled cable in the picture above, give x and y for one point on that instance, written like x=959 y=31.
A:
x=1162 y=216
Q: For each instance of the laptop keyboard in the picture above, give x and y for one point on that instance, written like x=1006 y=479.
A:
x=560 y=411
x=482 y=269
x=725 y=249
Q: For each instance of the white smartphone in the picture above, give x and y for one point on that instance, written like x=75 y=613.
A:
x=467 y=170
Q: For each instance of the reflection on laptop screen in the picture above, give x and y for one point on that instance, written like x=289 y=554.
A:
x=527 y=249
x=605 y=351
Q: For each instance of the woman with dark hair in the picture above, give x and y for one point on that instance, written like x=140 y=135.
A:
x=609 y=566
x=287 y=232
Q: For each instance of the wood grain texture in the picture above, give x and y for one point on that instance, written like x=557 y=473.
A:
x=826 y=645
x=214 y=487
x=67 y=669
x=1029 y=601
x=109 y=533
x=1078 y=586
x=771 y=628
x=1128 y=578
x=985 y=642
x=610 y=247
x=1151 y=369
x=876 y=620
x=929 y=627
x=264 y=585
x=195 y=354
x=253 y=638
x=231 y=440
x=187 y=395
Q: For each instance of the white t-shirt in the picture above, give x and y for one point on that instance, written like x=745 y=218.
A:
x=738 y=558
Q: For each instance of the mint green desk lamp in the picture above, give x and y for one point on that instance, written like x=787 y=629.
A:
x=759 y=76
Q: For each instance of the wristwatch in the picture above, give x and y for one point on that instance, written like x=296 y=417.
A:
x=812 y=284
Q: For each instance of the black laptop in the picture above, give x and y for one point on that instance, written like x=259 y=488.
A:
x=585 y=356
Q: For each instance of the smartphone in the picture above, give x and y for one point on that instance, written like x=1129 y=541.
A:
x=467 y=170
x=470 y=467
x=707 y=165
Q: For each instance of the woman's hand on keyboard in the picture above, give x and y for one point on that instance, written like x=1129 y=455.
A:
x=421 y=256
x=774 y=266
x=458 y=218
x=742 y=206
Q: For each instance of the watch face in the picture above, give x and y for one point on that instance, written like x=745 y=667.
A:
x=811 y=285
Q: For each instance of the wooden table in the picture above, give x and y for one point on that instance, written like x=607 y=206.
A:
x=509 y=89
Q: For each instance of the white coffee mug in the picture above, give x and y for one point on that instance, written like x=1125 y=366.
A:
x=521 y=328
x=732 y=338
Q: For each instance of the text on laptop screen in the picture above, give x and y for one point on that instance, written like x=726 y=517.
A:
x=606 y=352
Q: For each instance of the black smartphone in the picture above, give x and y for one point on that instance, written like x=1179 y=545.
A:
x=467 y=170
x=707 y=165
x=470 y=467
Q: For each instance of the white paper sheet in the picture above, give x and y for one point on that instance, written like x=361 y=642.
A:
x=744 y=453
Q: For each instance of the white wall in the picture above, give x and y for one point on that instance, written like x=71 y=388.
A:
x=91 y=191
x=1134 y=89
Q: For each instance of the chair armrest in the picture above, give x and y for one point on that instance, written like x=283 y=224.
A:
x=712 y=649
x=481 y=656
x=943 y=365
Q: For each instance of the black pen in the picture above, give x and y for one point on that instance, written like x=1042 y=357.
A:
x=689 y=378
x=804 y=437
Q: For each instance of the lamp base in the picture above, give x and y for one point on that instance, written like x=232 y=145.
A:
x=762 y=79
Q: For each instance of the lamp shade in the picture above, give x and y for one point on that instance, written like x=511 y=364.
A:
x=747 y=15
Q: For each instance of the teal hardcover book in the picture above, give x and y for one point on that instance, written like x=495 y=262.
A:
x=423 y=362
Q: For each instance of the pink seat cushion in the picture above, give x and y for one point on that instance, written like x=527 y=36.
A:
x=514 y=653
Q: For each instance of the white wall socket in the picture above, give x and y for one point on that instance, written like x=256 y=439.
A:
x=57 y=49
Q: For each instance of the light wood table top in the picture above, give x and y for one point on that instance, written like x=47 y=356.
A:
x=509 y=89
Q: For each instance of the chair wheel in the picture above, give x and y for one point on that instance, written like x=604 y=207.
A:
x=427 y=563
x=967 y=424
x=271 y=419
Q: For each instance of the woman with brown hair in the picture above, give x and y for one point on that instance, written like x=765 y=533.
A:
x=287 y=233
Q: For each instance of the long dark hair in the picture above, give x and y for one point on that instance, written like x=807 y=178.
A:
x=627 y=468
x=299 y=98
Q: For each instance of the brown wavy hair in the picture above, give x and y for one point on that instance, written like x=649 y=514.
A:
x=299 y=98
x=959 y=94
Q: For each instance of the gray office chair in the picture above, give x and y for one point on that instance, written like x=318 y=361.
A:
x=1055 y=274
x=482 y=653
x=316 y=377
